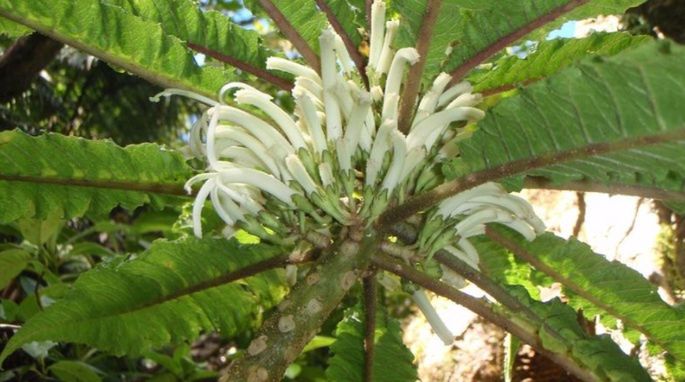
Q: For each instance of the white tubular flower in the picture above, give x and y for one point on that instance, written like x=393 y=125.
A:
x=326 y=174
x=470 y=258
x=454 y=92
x=241 y=156
x=355 y=124
x=236 y=85
x=414 y=157
x=432 y=317
x=430 y=129
x=297 y=70
x=261 y=180
x=469 y=250
x=477 y=220
x=197 y=131
x=198 y=204
x=300 y=174
x=466 y=99
x=390 y=107
x=248 y=197
x=329 y=66
x=344 y=56
x=314 y=89
x=184 y=93
x=429 y=102
x=343 y=93
x=377 y=32
x=222 y=206
x=258 y=100
x=212 y=156
x=381 y=145
x=330 y=78
x=450 y=204
x=376 y=93
x=367 y=133
x=263 y=131
x=403 y=57
x=386 y=53
x=252 y=144
x=452 y=278
x=399 y=152
x=312 y=121
x=344 y=153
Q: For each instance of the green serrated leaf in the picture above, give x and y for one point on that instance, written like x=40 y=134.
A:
x=163 y=296
x=610 y=286
x=392 y=360
x=64 y=177
x=109 y=32
x=205 y=30
x=614 y=119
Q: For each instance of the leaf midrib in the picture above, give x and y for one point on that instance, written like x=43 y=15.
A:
x=426 y=200
x=174 y=189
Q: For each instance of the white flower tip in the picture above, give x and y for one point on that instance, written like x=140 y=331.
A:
x=410 y=54
x=248 y=95
x=376 y=93
x=233 y=85
x=327 y=37
x=392 y=25
x=157 y=97
x=442 y=80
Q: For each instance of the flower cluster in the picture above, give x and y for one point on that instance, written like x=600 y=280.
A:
x=340 y=159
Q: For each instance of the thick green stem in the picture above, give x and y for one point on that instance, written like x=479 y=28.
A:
x=301 y=314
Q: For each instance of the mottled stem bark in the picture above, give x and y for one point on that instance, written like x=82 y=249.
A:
x=301 y=314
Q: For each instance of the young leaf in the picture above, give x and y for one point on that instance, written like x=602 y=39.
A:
x=165 y=295
x=12 y=262
x=119 y=38
x=550 y=57
x=609 y=285
x=65 y=177
x=392 y=360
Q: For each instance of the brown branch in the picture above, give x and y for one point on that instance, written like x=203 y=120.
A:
x=423 y=201
x=370 y=301
x=582 y=207
x=156 y=188
x=509 y=39
x=483 y=309
x=349 y=44
x=533 y=260
x=631 y=227
x=245 y=67
x=413 y=84
x=23 y=61
x=368 y=5
x=621 y=189
x=291 y=34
